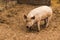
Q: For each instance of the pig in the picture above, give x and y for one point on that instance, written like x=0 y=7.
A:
x=37 y=15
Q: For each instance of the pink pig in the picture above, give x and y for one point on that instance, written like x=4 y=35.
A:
x=38 y=14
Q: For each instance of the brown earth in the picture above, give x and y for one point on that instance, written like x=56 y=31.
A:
x=12 y=25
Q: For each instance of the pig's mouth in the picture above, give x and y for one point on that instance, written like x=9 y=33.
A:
x=33 y=27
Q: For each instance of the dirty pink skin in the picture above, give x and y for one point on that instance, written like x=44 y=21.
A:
x=38 y=14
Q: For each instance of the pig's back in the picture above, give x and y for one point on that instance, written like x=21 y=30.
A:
x=40 y=11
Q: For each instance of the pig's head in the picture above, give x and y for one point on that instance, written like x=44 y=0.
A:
x=29 y=21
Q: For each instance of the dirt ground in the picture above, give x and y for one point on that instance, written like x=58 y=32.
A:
x=12 y=24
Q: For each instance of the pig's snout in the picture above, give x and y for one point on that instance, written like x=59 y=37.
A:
x=28 y=27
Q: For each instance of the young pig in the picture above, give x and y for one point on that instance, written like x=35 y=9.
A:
x=37 y=15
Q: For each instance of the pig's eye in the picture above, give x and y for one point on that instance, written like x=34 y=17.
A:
x=33 y=17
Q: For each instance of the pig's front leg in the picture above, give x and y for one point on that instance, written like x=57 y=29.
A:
x=38 y=26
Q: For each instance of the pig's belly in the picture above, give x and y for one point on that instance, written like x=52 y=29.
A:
x=44 y=17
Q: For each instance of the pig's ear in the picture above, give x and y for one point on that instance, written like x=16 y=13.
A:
x=33 y=17
x=25 y=17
